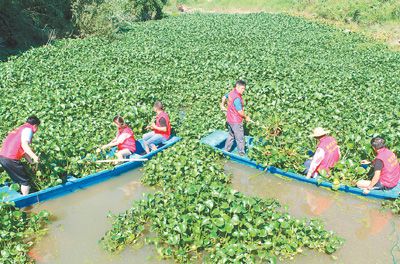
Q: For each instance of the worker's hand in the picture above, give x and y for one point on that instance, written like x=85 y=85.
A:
x=98 y=150
x=36 y=159
x=153 y=126
x=223 y=108
x=366 y=191
x=365 y=162
x=248 y=119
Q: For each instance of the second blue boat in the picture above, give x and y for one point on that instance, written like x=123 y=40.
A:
x=217 y=141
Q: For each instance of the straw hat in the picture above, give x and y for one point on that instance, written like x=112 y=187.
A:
x=319 y=132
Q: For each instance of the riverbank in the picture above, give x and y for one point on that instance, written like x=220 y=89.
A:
x=379 y=20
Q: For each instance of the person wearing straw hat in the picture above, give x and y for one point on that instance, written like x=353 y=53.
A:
x=326 y=156
x=385 y=168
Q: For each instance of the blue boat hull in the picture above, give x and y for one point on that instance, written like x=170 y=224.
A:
x=217 y=141
x=73 y=184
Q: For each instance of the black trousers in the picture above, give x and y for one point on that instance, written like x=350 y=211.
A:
x=16 y=170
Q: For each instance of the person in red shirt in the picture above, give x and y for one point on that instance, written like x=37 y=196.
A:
x=326 y=156
x=233 y=104
x=161 y=129
x=124 y=140
x=386 y=168
x=14 y=148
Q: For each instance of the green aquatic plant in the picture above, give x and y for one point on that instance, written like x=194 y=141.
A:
x=300 y=75
x=176 y=165
x=18 y=231
x=201 y=217
x=392 y=205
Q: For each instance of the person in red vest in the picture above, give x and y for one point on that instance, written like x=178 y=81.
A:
x=161 y=129
x=326 y=156
x=124 y=140
x=14 y=148
x=234 y=117
x=386 y=168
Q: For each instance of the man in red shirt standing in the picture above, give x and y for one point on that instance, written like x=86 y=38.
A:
x=14 y=148
x=234 y=117
x=386 y=168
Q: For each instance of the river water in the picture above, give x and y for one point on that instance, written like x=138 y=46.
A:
x=80 y=220
x=370 y=233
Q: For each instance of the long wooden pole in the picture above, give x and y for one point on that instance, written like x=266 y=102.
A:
x=119 y=160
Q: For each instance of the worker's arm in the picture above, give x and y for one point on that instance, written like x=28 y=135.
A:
x=162 y=127
x=239 y=107
x=243 y=114
x=375 y=179
x=222 y=104
x=28 y=151
x=317 y=159
x=28 y=158
x=116 y=141
x=158 y=128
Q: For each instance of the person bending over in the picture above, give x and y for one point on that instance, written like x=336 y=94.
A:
x=14 y=148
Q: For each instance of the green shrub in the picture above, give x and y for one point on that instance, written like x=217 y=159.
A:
x=28 y=23
x=106 y=17
x=148 y=9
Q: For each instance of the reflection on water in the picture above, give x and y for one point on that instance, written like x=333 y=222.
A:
x=370 y=233
x=316 y=203
x=80 y=220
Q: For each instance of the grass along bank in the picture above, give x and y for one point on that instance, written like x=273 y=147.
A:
x=375 y=18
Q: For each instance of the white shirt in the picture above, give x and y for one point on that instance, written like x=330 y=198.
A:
x=26 y=135
x=317 y=159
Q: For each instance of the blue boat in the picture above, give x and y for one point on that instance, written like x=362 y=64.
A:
x=217 y=141
x=73 y=184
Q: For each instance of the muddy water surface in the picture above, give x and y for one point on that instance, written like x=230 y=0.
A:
x=81 y=220
x=370 y=233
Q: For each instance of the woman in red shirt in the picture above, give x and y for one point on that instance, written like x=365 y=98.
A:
x=161 y=129
x=124 y=140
